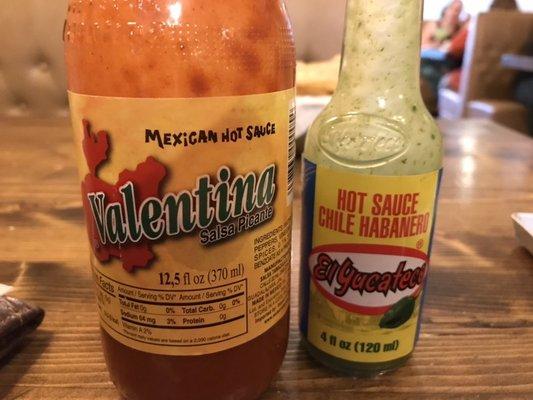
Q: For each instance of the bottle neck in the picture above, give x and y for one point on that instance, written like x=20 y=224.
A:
x=381 y=53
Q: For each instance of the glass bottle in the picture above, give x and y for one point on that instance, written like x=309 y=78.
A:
x=374 y=140
x=211 y=58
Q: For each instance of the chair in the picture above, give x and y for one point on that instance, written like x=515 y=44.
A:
x=32 y=71
x=486 y=89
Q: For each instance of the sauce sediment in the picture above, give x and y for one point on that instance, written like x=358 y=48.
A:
x=379 y=80
x=364 y=262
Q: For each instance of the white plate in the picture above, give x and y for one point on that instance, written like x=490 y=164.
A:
x=523 y=226
x=4 y=289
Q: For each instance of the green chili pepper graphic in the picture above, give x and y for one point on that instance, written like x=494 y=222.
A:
x=399 y=314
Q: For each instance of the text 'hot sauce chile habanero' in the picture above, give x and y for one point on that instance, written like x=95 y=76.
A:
x=183 y=118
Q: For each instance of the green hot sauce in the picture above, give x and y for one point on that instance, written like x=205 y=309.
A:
x=372 y=166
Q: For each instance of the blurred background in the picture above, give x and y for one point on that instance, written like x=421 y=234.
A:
x=476 y=57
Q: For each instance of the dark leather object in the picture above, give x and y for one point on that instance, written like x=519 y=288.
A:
x=17 y=320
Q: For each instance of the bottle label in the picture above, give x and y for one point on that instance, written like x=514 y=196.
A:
x=365 y=258
x=188 y=207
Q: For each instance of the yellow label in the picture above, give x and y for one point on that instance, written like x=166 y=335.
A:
x=188 y=205
x=365 y=261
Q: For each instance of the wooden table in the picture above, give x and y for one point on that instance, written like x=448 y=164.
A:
x=518 y=62
x=477 y=335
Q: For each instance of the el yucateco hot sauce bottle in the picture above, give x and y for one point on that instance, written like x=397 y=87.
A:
x=183 y=118
x=372 y=167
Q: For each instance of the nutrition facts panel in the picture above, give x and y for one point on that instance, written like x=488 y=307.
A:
x=179 y=318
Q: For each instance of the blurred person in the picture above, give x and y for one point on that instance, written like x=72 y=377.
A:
x=504 y=5
x=436 y=34
x=523 y=92
x=456 y=48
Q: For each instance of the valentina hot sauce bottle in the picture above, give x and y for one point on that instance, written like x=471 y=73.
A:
x=372 y=167
x=183 y=114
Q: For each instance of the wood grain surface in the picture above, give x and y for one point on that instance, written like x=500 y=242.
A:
x=477 y=332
